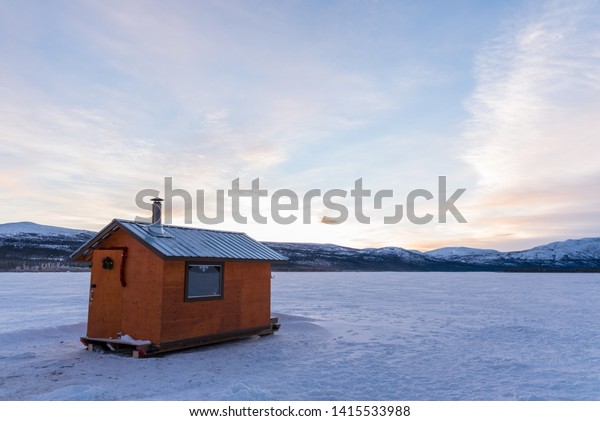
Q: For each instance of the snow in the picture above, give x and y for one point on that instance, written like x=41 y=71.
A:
x=582 y=249
x=123 y=339
x=344 y=336
x=561 y=253
x=126 y=339
x=407 y=255
x=451 y=252
x=14 y=228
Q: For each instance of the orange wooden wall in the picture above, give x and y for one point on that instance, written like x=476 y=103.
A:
x=142 y=297
x=153 y=305
x=246 y=302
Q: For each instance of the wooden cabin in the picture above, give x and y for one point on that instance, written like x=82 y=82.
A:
x=157 y=288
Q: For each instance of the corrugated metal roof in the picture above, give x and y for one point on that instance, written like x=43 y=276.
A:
x=187 y=242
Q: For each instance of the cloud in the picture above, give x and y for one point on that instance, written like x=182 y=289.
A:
x=101 y=100
x=532 y=134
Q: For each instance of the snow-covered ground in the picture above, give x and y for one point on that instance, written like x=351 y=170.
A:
x=344 y=336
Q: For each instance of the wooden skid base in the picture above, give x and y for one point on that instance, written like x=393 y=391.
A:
x=112 y=345
x=146 y=350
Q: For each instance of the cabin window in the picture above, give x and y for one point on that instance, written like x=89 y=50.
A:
x=203 y=282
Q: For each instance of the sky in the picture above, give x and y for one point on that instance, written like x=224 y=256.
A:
x=101 y=100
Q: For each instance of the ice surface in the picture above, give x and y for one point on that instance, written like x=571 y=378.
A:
x=346 y=336
x=41 y=300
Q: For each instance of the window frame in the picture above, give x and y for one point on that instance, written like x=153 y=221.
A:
x=186 y=296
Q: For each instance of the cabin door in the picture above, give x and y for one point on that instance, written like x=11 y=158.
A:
x=106 y=294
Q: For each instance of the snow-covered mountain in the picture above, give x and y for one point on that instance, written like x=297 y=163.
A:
x=560 y=251
x=582 y=253
x=466 y=255
x=309 y=256
x=31 y=228
x=30 y=246
x=458 y=253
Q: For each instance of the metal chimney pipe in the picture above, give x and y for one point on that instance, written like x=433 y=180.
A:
x=157 y=211
x=156 y=228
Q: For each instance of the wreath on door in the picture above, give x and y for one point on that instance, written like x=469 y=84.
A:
x=108 y=263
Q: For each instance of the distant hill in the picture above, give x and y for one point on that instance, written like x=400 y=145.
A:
x=329 y=257
x=582 y=254
x=26 y=246
x=31 y=228
x=571 y=255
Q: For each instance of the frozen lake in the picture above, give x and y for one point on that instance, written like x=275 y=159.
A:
x=344 y=336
